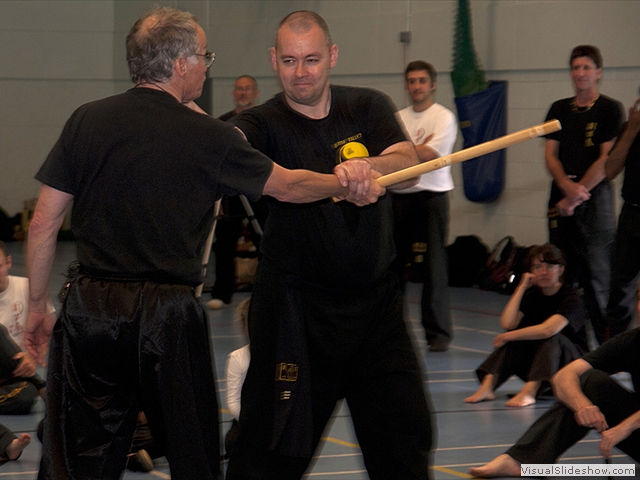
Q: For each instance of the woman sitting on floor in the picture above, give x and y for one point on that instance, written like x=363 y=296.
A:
x=545 y=331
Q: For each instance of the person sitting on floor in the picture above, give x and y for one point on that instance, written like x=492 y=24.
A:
x=20 y=385
x=588 y=398
x=11 y=447
x=237 y=366
x=546 y=329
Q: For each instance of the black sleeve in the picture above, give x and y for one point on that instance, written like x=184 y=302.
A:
x=614 y=355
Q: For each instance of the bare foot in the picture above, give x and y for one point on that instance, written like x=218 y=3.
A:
x=521 y=400
x=480 y=396
x=16 y=447
x=501 y=466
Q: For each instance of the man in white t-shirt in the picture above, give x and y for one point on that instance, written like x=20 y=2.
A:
x=422 y=211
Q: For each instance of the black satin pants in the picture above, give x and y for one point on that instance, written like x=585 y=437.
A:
x=119 y=347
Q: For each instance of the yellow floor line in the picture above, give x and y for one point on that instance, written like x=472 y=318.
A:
x=340 y=442
x=452 y=472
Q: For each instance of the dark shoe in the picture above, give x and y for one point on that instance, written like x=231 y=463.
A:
x=140 y=462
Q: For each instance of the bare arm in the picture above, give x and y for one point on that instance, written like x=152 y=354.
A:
x=566 y=386
x=303 y=186
x=425 y=152
x=574 y=191
x=618 y=156
x=41 y=248
x=550 y=327
x=511 y=315
x=595 y=174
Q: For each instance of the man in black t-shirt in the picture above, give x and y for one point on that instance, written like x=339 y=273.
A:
x=326 y=311
x=625 y=263
x=143 y=171
x=581 y=210
x=230 y=223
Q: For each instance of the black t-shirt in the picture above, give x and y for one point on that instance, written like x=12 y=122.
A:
x=225 y=117
x=582 y=134
x=145 y=172
x=631 y=185
x=537 y=307
x=620 y=354
x=335 y=245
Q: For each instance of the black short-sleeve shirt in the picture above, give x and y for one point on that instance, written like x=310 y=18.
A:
x=336 y=245
x=145 y=172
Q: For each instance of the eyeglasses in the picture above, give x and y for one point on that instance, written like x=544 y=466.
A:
x=209 y=58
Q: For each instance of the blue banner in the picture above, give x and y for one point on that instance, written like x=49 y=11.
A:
x=483 y=117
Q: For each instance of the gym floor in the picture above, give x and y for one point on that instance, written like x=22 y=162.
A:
x=468 y=435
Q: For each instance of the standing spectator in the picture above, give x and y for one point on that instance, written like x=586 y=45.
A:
x=581 y=210
x=625 y=264
x=245 y=94
x=422 y=212
x=230 y=223
x=143 y=171
x=326 y=309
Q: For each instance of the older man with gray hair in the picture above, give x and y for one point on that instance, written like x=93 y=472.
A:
x=143 y=171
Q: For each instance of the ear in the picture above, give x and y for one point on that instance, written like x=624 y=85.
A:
x=274 y=58
x=180 y=66
x=433 y=86
x=9 y=262
x=333 y=52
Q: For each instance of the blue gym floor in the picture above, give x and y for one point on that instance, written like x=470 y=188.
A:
x=468 y=435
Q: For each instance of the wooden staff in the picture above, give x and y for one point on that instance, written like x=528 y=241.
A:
x=471 y=152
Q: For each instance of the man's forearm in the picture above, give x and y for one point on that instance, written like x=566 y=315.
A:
x=41 y=244
x=304 y=186
x=566 y=385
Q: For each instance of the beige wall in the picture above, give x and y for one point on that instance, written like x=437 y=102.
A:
x=59 y=54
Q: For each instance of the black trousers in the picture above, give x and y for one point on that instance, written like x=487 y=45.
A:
x=423 y=218
x=625 y=271
x=556 y=430
x=119 y=347
x=586 y=238
x=6 y=437
x=343 y=345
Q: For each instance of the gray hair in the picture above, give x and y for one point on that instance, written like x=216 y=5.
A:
x=156 y=40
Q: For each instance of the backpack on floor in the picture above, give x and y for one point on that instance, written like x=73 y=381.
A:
x=504 y=267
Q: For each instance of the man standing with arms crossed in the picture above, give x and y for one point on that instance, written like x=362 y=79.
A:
x=422 y=211
x=326 y=312
x=143 y=171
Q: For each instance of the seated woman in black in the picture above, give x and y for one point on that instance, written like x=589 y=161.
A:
x=545 y=324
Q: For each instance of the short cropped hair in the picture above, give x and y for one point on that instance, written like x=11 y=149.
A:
x=252 y=79
x=546 y=253
x=417 y=65
x=156 y=40
x=301 y=21
x=586 y=51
